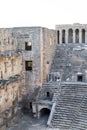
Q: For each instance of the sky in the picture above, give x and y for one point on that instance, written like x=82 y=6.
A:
x=45 y=13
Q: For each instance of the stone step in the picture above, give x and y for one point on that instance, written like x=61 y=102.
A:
x=68 y=109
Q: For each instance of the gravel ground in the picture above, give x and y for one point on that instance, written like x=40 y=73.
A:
x=29 y=123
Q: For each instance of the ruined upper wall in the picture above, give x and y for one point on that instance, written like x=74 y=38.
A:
x=7 y=41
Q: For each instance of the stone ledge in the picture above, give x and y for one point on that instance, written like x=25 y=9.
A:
x=10 y=53
x=4 y=82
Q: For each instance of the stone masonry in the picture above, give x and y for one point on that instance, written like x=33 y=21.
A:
x=46 y=71
x=24 y=65
x=66 y=85
x=11 y=80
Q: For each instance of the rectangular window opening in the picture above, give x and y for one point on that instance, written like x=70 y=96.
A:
x=80 y=78
x=28 y=65
x=28 y=46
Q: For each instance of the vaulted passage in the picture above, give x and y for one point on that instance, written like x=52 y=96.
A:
x=63 y=36
x=76 y=36
x=58 y=37
x=83 y=36
x=44 y=112
x=70 y=36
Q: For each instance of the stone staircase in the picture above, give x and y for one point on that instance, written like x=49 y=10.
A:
x=80 y=122
x=70 y=97
x=70 y=111
x=52 y=88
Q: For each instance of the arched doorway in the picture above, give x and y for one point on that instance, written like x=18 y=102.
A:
x=58 y=37
x=44 y=112
x=70 y=36
x=83 y=35
x=63 y=36
x=77 y=36
x=44 y=115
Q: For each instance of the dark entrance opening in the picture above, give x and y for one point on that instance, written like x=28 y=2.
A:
x=58 y=37
x=83 y=36
x=63 y=36
x=48 y=94
x=80 y=78
x=30 y=105
x=70 y=36
x=44 y=112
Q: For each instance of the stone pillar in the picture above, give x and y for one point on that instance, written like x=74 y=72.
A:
x=48 y=78
x=51 y=115
x=85 y=36
x=60 y=36
x=74 y=36
x=38 y=115
x=80 y=36
x=66 y=36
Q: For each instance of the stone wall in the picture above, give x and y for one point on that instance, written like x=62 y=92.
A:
x=49 y=43
x=32 y=78
x=11 y=78
x=42 y=42
x=8 y=66
x=7 y=41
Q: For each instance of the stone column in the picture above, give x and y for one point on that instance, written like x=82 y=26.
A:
x=66 y=36
x=60 y=36
x=85 y=36
x=74 y=36
x=80 y=36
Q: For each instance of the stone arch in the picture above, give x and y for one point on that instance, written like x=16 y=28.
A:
x=77 y=36
x=83 y=35
x=70 y=36
x=58 y=36
x=44 y=112
x=63 y=36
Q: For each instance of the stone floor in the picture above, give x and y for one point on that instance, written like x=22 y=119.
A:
x=29 y=123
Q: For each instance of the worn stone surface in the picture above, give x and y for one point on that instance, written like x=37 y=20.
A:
x=11 y=80
x=15 y=82
x=33 y=67
x=43 y=42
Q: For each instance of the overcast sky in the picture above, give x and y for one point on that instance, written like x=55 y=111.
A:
x=46 y=13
